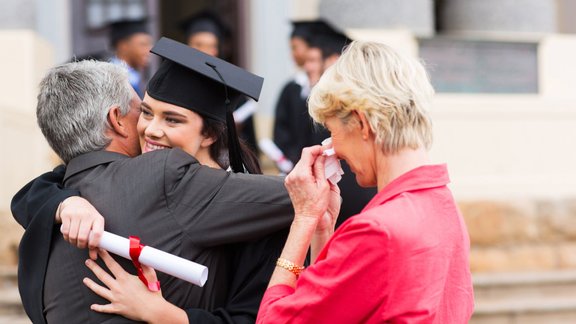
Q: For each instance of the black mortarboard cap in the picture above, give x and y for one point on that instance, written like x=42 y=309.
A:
x=306 y=29
x=205 y=21
x=330 y=43
x=204 y=84
x=123 y=29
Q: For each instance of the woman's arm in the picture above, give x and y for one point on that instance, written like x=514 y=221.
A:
x=41 y=197
x=215 y=207
x=310 y=194
x=45 y=202
x=334 y=289
x=326 y=223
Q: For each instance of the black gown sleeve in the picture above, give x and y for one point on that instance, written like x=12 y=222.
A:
x=34 y=207
x=283 y=129
x=256 y=261
x=40 y=197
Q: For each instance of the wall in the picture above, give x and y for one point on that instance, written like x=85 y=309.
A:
x=23 y=62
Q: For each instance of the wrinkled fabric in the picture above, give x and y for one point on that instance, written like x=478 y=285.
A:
x=404 y=259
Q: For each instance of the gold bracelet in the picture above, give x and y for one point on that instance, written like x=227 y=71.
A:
x=290 y=266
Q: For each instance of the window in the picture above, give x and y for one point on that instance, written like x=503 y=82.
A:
x=100 y=13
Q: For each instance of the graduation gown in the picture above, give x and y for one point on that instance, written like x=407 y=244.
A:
x=293 y=127
x=235 y=224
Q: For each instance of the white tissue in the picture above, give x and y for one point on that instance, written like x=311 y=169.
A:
x=332 y=168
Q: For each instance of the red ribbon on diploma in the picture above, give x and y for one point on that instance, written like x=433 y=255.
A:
x=135 y=250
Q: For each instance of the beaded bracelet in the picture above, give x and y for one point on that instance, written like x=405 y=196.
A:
x=290 y=266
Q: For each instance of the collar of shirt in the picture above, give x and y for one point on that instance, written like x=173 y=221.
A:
x=423 y=177
x=133 y=74
x=301 y=79
x=90 y=160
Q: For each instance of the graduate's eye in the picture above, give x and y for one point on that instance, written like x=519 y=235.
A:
x=145 y=112
x=173 y=120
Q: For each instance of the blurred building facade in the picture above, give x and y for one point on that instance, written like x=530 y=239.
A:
x=504 y=115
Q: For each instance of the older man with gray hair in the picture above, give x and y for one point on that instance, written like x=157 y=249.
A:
x=88 y=104
x=88 y=112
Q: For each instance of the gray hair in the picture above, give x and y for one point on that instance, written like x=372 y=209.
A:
x=74 y=102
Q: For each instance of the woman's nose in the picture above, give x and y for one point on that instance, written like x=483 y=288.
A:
x=153 y=129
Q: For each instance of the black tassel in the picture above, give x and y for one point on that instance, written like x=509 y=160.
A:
x=234 y=150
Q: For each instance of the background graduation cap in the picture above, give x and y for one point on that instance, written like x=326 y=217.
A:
x=321 y=34
x=204 y=84
x=205 y=21
x=307 y=29
x=123 y=29
x=330 y=41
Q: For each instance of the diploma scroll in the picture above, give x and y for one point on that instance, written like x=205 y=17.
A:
x=159 y=260
x=275 y=154
x=245 y=111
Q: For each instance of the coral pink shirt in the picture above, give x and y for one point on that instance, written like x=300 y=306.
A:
x=403 y=259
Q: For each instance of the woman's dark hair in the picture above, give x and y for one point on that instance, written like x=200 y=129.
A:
x=217 y=130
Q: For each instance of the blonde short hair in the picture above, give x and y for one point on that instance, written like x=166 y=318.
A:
x=391 y=90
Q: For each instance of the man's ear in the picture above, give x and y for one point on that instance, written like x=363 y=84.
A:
x=117 y=122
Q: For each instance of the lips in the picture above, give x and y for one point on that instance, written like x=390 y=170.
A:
x=152 y=146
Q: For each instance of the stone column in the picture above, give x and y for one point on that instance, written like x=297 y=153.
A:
x=526 y=16
x=25 y=57
x=414 y=15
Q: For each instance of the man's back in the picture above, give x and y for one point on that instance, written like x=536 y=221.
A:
x=172 y=203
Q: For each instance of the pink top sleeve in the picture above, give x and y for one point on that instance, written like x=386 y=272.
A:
x=334 y=289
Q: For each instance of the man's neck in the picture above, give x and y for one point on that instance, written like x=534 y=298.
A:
x=121 y=148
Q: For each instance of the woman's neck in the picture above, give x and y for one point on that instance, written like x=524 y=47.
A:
x=204 y=158
x=390 y=167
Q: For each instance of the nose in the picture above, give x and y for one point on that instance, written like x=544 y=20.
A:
x=153 y=129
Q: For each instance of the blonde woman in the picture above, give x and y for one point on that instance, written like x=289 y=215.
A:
x=404 y=259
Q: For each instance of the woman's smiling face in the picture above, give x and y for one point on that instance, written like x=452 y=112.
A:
x=162 y=125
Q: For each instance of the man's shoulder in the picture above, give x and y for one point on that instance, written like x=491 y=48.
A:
x=292 y=86
x=148 y=165
x=159 y=159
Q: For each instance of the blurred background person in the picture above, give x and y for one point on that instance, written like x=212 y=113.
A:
x=206 y=32
x=131 y=42
x=293 y=127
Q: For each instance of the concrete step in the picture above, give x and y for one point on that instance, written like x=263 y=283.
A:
x=535 y=285
x=525 y=311
x=10 y=303
x=14 y=319
x=527 y=298
x=8 y=276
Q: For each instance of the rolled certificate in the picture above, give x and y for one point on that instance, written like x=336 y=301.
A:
x=275 y=154
x=246 y=110
x=159 y=260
